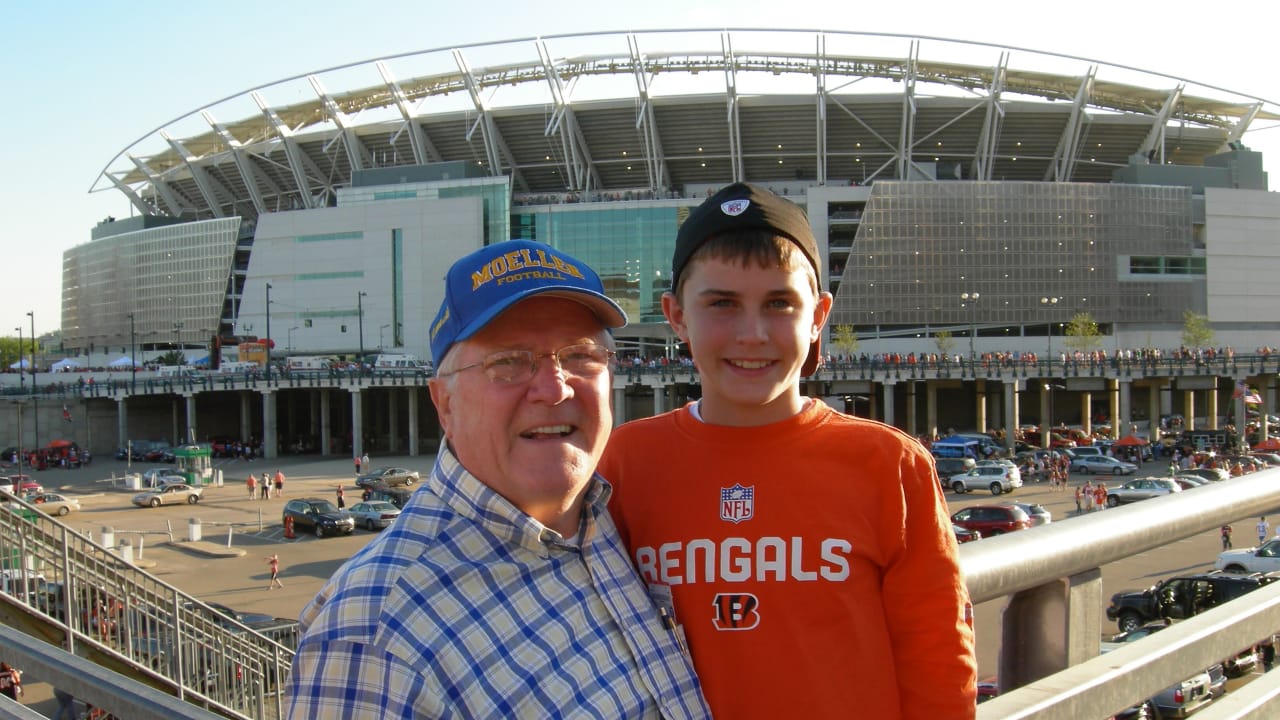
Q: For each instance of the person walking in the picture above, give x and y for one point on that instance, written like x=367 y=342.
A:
x=1263 y=528
x=1226 y=537
x=274 y=561
x=357 y=461
x=264 y=486
x=364 y=463
x=252 y=484
x=342 y=502
x=279 y=479
x=10 y=681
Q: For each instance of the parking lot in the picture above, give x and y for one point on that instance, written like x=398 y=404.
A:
x=229 y=518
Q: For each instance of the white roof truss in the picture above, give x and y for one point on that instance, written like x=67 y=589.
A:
x=248 y=173
x=731 y=98
x=423 y=151
x=984 y=156
x=1153 y=145
x=655 y=159
x=577 y=156
x=357 y=153
x=208 y=185
x=1064 y=157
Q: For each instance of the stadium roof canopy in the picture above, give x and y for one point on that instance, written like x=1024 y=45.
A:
x=661 y=110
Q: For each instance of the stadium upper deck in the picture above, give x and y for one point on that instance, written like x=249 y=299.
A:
x=659 y=111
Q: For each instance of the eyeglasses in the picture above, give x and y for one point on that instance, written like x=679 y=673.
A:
x=511 y=367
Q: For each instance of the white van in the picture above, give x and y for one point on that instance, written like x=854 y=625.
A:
x=398 y=364
x=305 y=364
x=238 y=368
x=178 y=372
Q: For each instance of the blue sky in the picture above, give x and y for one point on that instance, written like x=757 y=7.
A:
x=86 y=79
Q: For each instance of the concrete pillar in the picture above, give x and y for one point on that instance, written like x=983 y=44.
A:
x=887 y=390
x=357 y=423
x=1046 y=422
x=659 y=399
x=1211 y=407
x=122 y=423
x=1154 y=403
x=175 y=421
x=619 y=405
x=414 y=429
x=911 y=407
x=931 y=408
x=326 y=426
x=1086 y=412
x=1050 y=628
x=1012 y=420
x=246 y=415
x=1121 y=407
x=980 y=405
x=1189 y=408
x=270 y=440
x=393 y=419
x=193 y=434
x=194 y=530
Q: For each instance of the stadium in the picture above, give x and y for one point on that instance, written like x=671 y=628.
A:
x=989 y=193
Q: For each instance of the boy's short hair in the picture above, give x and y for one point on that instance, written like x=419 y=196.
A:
x=733 y=213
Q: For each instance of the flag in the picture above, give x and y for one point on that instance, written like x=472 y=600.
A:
x=66 y=414
x=1246 y=393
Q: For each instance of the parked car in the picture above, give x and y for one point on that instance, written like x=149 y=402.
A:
x=1180 y=597
x=1210 y=474
x=996 y=478
x=945 y=467
x=374 y=514
x=1141 y=489
x=397 y=496
x=20 y=485
x=318 y=516
x=388 y=476
x=169 y=494
x=1189 y=482
x=53 y=503
x=1263 y=559
x=991 y=520
x=1038 y=513
x=964 y=535
x=160 y=476
x=1102 y=464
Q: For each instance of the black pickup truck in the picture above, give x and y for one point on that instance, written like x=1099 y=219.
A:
x=1181 y=597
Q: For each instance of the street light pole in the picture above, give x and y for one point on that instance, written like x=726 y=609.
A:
x=22 y=374
x=360 y=311
x=35 y=399
x=1048 y=303
x=267 y=344
x=971 y=302
x=133 y=354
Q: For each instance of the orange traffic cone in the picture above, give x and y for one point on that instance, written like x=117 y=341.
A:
x=288 y=527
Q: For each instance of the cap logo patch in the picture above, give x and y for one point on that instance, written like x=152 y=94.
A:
x=734 y=208
x=539 y=266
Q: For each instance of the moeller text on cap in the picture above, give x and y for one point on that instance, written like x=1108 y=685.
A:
x=519 y=260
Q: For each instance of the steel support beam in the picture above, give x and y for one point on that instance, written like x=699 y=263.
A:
x=731 y=96
x=357 y=153
x=1155 y=137
x=143 y=206
x=165 y=193
x=495 y=149
x=423 y=150
x=1064 y=157
x=208 y=185
x=820 y=108
x=248 y=173
x=984 y=157
x=906 y=131
x=655 y=159
x=1238 y=130
x=298 y=162
x=577 y=156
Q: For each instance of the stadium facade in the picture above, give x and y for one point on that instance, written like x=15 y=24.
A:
x=932 y=170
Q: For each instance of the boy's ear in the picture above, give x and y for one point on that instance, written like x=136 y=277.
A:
x=675 y=316
x=821 y=311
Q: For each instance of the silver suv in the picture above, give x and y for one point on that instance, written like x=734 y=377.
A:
x=996 y=478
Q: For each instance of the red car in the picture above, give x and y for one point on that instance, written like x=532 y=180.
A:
x=992 y=519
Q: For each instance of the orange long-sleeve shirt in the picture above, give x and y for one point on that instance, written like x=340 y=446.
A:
x=811 y=563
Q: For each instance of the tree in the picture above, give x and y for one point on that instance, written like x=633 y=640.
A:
x=844 y=339
x=944 y=342
x=1196 y=330
x=173 y=357
x=1082 y=333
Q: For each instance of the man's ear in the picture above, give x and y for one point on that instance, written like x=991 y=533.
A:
x=441 y=397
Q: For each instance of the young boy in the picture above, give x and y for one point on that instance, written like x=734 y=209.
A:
x=807 y=554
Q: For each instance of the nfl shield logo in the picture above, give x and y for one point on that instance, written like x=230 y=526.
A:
x=734 y=208
x=737 y=503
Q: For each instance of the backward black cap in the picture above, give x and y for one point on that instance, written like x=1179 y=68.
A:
x=743 y=206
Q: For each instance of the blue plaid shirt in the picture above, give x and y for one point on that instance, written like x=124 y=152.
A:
x=465 y=607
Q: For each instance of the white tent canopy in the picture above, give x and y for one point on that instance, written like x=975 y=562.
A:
x=65 y=364
x=122 y=361
x=20 y=364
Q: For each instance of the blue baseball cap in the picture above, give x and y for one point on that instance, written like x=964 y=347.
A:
x=479 y=286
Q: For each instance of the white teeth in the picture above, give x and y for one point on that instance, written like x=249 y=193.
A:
x=550 y=430
x=750 y=364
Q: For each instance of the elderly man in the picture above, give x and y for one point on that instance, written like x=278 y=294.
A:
x=503 y=590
